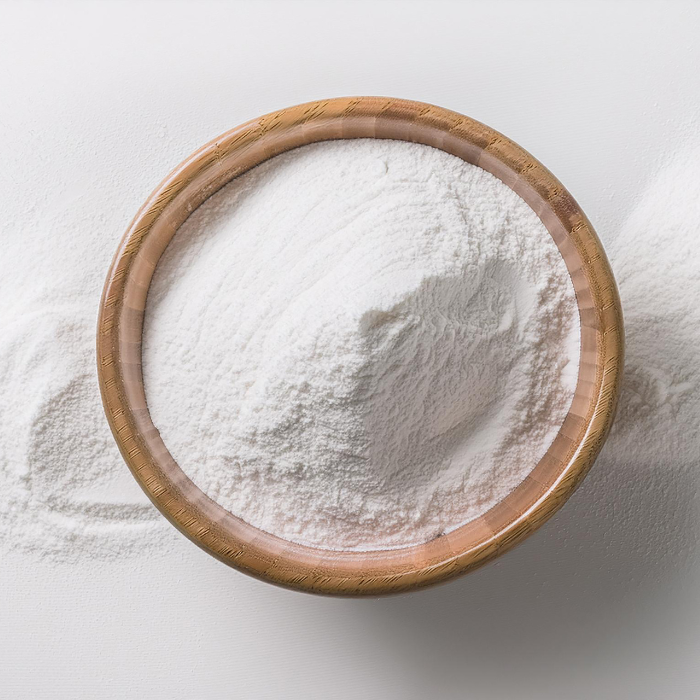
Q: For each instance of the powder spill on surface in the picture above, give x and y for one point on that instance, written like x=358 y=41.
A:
x=360 y=344
x=65 y=492
x=657 y=267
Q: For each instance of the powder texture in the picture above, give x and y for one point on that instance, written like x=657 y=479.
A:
x=360 y=344
x=65 y=492
x=69 y=491
x=658 y=272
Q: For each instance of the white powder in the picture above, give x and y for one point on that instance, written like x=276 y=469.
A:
x=361 y=344
x=65 y=488
x=656 y=262
x=65 y=492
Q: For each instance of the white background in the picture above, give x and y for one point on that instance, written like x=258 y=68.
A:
x=604 y=601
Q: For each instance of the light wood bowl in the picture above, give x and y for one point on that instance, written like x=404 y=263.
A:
x=255 y=552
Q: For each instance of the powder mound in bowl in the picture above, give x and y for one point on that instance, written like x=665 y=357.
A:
x=360 y=344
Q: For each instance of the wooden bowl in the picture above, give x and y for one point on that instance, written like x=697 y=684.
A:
x=255 y=552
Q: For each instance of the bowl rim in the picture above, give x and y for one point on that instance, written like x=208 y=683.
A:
x=376 y=572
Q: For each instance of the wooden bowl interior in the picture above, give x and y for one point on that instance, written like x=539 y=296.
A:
x=341 y=572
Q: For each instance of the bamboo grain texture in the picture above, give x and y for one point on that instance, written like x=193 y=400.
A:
x=263 y=555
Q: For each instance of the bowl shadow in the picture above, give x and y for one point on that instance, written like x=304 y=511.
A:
x=619 y=545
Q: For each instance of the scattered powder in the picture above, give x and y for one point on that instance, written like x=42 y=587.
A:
x=65 y=492
x=656 y=262
x=68 y=491
x=361 y=344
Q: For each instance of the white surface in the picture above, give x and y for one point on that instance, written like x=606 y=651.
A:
x=604 y=601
